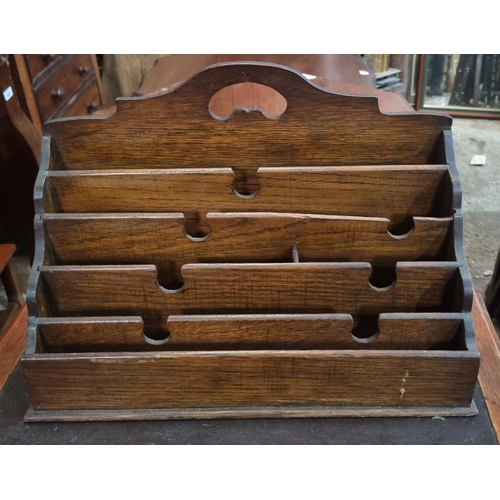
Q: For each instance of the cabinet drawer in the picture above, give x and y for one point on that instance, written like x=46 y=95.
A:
x=89 y=102
x=38 y=63
x=58 y=89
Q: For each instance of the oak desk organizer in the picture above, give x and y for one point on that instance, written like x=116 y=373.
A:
x=294 y=263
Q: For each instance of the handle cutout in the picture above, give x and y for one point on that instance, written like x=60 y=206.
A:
x=247 y=97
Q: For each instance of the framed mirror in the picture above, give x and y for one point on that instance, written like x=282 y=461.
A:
x=459 y=84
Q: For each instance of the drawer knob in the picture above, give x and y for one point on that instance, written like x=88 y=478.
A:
x=92 y=106
x=57 y=94
x=83 y=70
x=49 y=56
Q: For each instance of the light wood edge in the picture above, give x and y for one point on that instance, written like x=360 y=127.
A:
x=25 y=78
x=245 y=413
x=98 y=77
x=488 y=343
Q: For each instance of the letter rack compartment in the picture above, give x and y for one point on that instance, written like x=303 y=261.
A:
x=301 y=263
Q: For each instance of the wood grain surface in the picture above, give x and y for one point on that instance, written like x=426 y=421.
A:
x=12 y=343
x=161 y=239
x=395 y=192
x=244 y=288
x=176 y=129
x=250 y=331
x=257 y=378
x=488 y=344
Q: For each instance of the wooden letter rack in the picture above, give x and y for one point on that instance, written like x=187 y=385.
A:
x=293 y=263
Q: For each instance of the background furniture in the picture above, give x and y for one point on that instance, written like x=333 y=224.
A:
x=19 y=157
x=13 y=319
x=56 y=86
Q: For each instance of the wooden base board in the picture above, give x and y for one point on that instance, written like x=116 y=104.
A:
x=245 y=413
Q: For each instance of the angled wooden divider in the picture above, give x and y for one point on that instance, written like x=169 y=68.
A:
x=249 y=331
x=160 y=239
x=244 y=288
x=394 y=192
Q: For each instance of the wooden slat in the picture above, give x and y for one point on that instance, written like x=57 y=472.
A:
x=319 y=127
x=244 y=288
x=92 y=334
x=250 y=378
x=11 y=284
x=248 y=331
x=7 y=251
x=396 y=331
x=160 y=239
x=394 y=192
x=246 y=412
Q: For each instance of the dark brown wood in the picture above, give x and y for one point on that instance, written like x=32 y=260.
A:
x=394 y=192
x=249 y=331
x=19 y=157
x=12 y=343
x=243 y=288
x=115 y=327
x=14 y=319
x=263 y=378
x=238 y=237
x=488 y=344
x=7 y=251
x=16 y=115
x=23 y=82
x=71 y=74
x=175 y=69
x=289 y=411
x=338 y=72
x=185 y=135
x=38 y=63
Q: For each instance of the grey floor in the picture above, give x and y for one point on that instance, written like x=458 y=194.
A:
x=481 y=194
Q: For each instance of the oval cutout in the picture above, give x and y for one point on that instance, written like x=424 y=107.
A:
x=247 y=96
